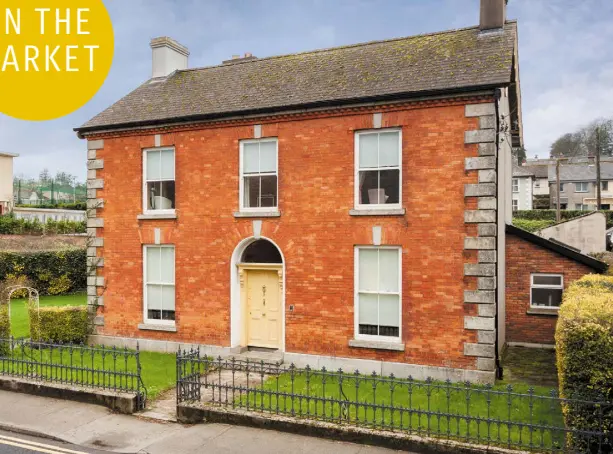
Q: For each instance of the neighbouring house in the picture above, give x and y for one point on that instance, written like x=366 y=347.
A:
x=586 y=233
x=6 y=181
x=578 y=184
x=537 y=272
x=521 y=189
x=540 y=186
x=45 y=214
x=343 y=207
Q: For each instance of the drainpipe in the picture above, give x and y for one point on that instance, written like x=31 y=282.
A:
x=498 y=362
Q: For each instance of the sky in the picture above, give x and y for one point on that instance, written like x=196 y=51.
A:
x=565 y=56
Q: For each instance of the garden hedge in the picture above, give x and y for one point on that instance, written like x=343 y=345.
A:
x=550 y=215
x=10 y=225
x=60 y=325
x=51 y=273
x=81 y=206
x=584 y=345
x=5 y=329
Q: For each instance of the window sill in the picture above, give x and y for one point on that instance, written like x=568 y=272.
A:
x=141 y=217
x=151 y=327
x=378 y=212
x=257 y=214
x=542 y=311
x=376 y=345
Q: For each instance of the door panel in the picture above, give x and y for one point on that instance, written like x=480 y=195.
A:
x=263 y=309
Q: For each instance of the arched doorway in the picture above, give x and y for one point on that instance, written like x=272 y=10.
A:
x=257 y=295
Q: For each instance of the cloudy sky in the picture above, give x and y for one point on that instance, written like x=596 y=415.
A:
x=566 y=56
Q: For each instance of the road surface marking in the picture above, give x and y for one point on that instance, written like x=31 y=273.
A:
x=33 y=446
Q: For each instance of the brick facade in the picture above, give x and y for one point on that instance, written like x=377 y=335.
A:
x=522 y=259
x=447 y=234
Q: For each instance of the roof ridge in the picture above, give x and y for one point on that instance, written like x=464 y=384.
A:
x=346 y=46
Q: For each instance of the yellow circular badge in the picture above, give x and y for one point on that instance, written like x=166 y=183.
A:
x=54 y=56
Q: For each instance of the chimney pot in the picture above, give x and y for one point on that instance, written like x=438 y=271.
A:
x=492 y=14
x=168 y=56
x=235 y=57
x=248 y=54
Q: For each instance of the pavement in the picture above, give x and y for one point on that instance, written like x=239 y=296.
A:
x=96 y=428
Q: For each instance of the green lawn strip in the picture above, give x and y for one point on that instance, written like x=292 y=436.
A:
x=418 y=408
x=20 y=322
x=158 y=369
x=113 y=369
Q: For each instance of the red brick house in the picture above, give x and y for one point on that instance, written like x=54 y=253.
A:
x=336 y=206
x=537 y=272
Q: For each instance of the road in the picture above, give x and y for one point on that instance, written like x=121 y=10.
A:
x=11 y=443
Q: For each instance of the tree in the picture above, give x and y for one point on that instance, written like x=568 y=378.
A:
x=519 y=154
x=44 y=176
x=568 y=145
x=65 y=179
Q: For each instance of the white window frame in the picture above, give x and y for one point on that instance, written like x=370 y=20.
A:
x=145 y=181
x=515 y=185
x=515 y=205
x=241 y=183
x=146 y=319
x=582 y=183
x=604 y=185
x=556 y=287
x=356 y=298
x=356 y=181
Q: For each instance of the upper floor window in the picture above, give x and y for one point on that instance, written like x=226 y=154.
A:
x=159 y=279
x=581 y=186
x=604 y=185
x=546 y=290
x=159 y=180
x=378 y=292
x=378 y=169
x=561 y=187
x=537 y=184
x=259 y=174
x=515 y=185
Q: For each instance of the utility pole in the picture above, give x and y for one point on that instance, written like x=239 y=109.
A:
x=598 y=186
x=557 y=189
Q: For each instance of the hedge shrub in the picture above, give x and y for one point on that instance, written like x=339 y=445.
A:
x=584 y=344
x=5 y=329
x=532 y=225
x=65 y=324
x=550 y=215
x=51 y=273
x=81 y=206
x=10 y=225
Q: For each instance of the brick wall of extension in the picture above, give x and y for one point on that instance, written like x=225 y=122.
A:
x=523 y=259
x=447 y=234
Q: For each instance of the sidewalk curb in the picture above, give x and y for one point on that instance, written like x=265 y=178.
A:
x=30 y=432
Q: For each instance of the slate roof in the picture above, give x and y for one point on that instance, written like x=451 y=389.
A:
x=519 y=171
x=582 y=172
x=455 y=60
x=539 y=171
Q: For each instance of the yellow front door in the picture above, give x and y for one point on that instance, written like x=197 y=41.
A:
x=263 y=308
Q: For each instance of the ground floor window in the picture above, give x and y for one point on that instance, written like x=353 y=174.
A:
x=546 y=290
x=514 y=204
x=378 y=292
x=159 y=278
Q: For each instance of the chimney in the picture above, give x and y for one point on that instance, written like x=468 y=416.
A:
x=238 y=59
x=493 y=14
x=168 y=56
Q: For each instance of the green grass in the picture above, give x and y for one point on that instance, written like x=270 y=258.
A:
x=20 y=323
x=418 y=408
x=158 y=369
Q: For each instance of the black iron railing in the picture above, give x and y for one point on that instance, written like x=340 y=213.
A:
x=105 y=368
x=515 y=417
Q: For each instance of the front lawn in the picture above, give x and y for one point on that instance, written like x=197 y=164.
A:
x=158 y=369
x=498 y=415
x=20 y=322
